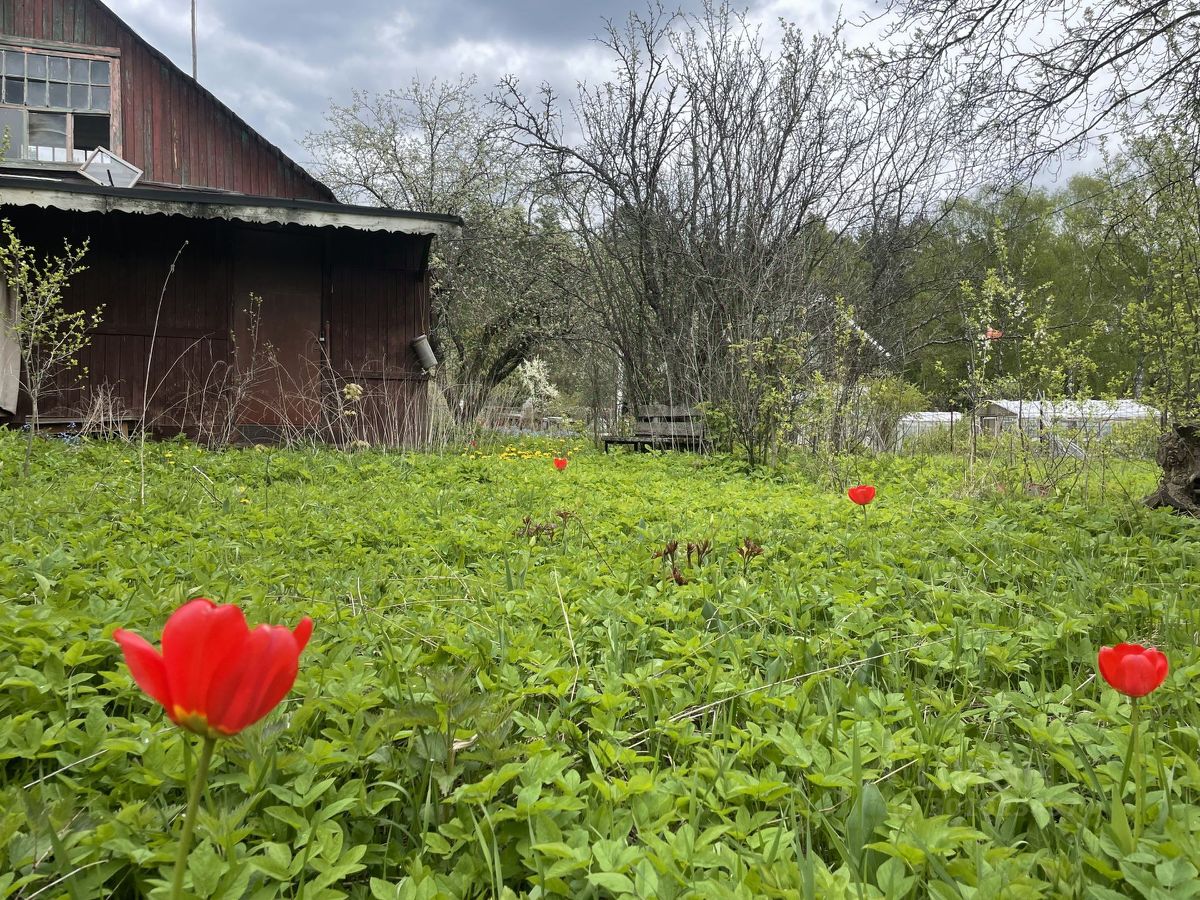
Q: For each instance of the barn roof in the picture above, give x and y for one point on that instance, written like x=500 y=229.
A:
x=20 y=190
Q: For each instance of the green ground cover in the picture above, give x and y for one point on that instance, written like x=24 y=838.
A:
x=902 y=704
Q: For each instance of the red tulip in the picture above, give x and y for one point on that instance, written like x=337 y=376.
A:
x=862 y=494
x=216 y=676
x=560 y=462
x=1132 y=669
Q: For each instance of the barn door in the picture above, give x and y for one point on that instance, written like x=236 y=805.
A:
x=378 y=304
x=277 y=323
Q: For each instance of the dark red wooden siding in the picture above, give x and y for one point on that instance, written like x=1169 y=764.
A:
x=367 y=292
x=171 y=128
x=379 y=302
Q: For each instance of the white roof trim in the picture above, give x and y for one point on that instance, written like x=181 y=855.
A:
x=358 y=218
x=1073 y=409
x=934 y=416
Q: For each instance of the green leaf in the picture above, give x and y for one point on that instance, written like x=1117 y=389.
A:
x=613 y=881
x=206 y=868
x=1119 y=822
x=867 y=814
x=384 y=890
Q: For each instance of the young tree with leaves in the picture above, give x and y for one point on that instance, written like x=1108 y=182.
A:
x=48 y=336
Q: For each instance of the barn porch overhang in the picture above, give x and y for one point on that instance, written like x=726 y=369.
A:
x=70 y=196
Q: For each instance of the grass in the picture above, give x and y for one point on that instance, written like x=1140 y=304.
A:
x=510 y=693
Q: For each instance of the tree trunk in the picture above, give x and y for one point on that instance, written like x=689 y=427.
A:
x=1179 y=457
x=31 y=427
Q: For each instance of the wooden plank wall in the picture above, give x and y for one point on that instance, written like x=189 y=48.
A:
x=171 y=128
x=371 y=289
x=379 y=302
x=128 y=261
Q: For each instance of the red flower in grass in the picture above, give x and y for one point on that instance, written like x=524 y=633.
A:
x=560 y=462
x=1132 y=669
x=861 y=494
x=216 y=676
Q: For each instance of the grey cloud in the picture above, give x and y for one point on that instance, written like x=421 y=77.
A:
x=279 y=63
x=536 y=21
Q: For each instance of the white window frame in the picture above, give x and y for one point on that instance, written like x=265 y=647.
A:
x=92 y=155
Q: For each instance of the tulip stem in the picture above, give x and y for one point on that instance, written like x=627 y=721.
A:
x=1138 y=775
x=189 y=818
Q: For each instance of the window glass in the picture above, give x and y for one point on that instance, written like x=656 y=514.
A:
x=37 y=65
x=14 y=63
x=14 y=90
x=48 y=136
x=100 y=98
x=35 y=93
x=59 y=68
x=58 y=94
x=105 y=168
x=12 y=132
x=80 y=70
x=99 y=71
x=79 y=96
x=48 y=129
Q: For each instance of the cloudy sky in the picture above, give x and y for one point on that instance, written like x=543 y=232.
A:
x=278 y=63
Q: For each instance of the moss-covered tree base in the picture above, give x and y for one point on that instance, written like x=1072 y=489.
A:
x=1179 y=457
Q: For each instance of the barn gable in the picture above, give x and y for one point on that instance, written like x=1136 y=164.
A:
x=237 y=295
x=75 y=77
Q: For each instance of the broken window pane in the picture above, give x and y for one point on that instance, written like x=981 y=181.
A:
x=90 y=132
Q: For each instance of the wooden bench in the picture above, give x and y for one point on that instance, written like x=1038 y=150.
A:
x=664 y=428
x=121 y=425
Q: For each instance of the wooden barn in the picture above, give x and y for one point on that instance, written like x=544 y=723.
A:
x=239 y=297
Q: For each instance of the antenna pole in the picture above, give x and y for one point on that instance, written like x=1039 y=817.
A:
x=194 y=78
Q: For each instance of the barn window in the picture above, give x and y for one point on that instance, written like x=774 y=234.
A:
x=54 y=107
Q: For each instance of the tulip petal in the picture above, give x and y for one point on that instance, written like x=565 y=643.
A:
x=1161 y=666
x=198 y=641
x=862 y=494
x=145 y=665
x=302 y=633
x=1132 y=669
x=1109 y=661
x=257 y=679
x=1137 y=675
